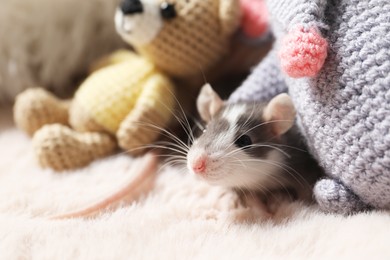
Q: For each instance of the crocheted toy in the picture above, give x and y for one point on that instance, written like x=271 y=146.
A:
x=118 y=103
x=343 y=102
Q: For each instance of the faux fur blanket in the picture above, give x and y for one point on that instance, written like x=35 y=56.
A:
x=180 y=218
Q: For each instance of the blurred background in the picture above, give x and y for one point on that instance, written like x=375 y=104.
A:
x=51 y=43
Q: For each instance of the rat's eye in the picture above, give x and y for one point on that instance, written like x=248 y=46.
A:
x=243 y=141
x=168 y=10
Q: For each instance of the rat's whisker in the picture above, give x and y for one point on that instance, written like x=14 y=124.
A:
x=165 y=132
x=176 y=161
x=242 y=163
x=185 y=123
x=269 y=146
x=237 y=150
x=199 y=124
x=286 y=168
x=239 y=160
x=170 y=156
x=250 y=116
x=177 y=157
x=289 y=146
x=167 y=148
x=247 y=131
x=172 y=163
x=233 y=152
x=270 y=175
x=259 y=125
x=178 y=146
x=153 y=147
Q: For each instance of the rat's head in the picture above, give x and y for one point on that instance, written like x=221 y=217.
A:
x=235 y=149
x=182 y=37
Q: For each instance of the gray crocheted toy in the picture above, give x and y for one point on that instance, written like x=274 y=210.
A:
x=333 y=57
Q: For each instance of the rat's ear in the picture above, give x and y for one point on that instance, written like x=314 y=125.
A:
x=281 y=111
x=208 y=102
x=229 y=15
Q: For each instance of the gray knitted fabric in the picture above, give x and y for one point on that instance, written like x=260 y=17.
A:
x=264 y=82
x=343 y=111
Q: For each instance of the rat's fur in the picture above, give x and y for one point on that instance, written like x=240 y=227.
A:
x=274 y=158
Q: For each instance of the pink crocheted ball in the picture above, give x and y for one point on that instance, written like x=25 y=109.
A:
x=254 y=17
x=303 y=52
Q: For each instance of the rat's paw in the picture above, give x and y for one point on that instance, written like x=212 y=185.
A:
x=61 y=148
x=303 y=53
x=37 y=107
x=332 y=196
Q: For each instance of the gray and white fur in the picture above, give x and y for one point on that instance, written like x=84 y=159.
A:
x=252 y=146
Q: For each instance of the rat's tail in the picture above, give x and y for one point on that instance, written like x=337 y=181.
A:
x=146 y=172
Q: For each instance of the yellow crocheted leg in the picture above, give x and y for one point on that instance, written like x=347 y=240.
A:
x=61 y=148
x=152 y=111
x=37 y=107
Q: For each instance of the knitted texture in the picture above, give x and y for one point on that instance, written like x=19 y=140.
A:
x=80 y=119
x=110 y=93
x=263 y=83
x=303 y=49
x=153 y=112
x=338 y=197
x=130 y=96
x=201 y=30
x=36 y=107
x=303 y=53
x=52 y=142
x=344 y=111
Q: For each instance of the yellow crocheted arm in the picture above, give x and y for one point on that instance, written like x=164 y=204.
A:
x=153 y=111
x=110 y=93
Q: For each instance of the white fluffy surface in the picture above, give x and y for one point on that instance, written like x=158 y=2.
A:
x=48 y=43
x=179 y=219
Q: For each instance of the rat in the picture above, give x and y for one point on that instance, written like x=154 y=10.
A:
x=252 y=147
x=249 y=147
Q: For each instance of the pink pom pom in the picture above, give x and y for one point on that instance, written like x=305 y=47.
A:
x=303 y=53
x=254 y=17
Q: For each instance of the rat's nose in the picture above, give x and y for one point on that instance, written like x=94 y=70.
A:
x=131 y=7
x=199 y=165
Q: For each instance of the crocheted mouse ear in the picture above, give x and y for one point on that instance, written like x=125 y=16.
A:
x=254 y=21
x=303 y=52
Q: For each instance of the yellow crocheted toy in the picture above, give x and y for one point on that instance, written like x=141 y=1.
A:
x=117 y=103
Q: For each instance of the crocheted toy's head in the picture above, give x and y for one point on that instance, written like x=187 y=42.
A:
x=181 y=37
